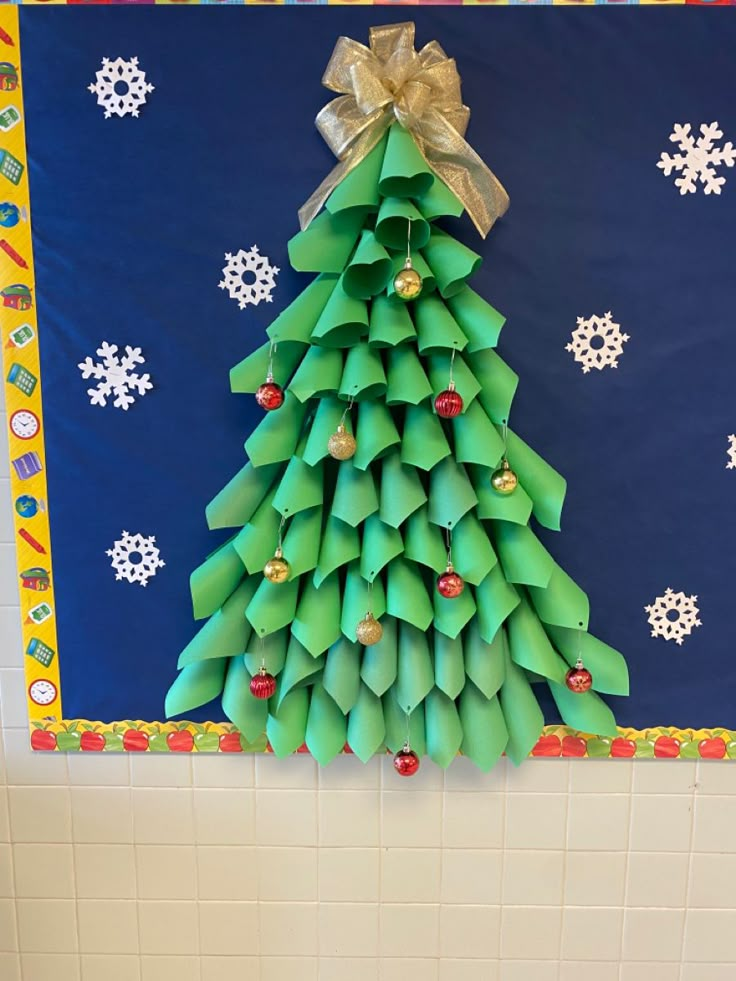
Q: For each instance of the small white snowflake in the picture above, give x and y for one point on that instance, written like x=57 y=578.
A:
x=135 y=558
x=248 y=277
x=116 y=375
x=597 y=342
x=673 y=616
x=698 y=158
x=121 y=87
x=731 y=451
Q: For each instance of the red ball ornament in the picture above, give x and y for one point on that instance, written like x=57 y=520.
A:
x=579 y=679
x=263 y=684
x=406 y=762
x=449 y=403
x=450 y=584
x=270 y=396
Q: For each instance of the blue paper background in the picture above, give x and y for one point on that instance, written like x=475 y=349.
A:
x=571 y=108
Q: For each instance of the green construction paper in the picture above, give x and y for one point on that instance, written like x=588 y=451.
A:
x=343 y=321
x=544 y=485
x=273 y=605
x=360 y=188
x=247 y=376
x=381 y=543
x=239 y=498
x=226 y=632
x=375 y=434
x=300 y=668
x=404 y=173
x=480 y=322
x=300 y=488
x=495 y=599
x=450 y=261
x=465 y=381
x=369 y=270
x=401 y=490
x=340 y=545
x=287 y=723
x=406 y=594
x=449 y=669
x=451 y=615
x=363 y=376
x=476 y=439
x=299 y=319
x=439 y=201
x=451 y=493
x=523 y=557
x=521 y=712
x=327 y=244
x=585 y=711
x=498 y=384
x=398 y=728
x=424 y=442
x=608 y=667
x=276 y=436
x=484 y=728
x=381 y=661
x=415 y=679
x=390 y=323
x=318 y=374
x=530 y=646
x=214 y=580
x=407 y=381
x=563 y=602
x=436 y=327
x=472 y=550
x=255 y=544
x=355 y=495
x=302 y=541
x=419 y=264
x=341 y=676
x=247 y=713
x=443 y=728
x=358 y=597
x=195 y=685
x=269 y=650
x=516 y=507
x=485 y=664
x=317 y=621
x=366 y=728
x=424 y=542
x=392 y=225
x=323 y=425
x=327 y=727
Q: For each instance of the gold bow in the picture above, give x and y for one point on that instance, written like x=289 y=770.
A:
x=421 y=89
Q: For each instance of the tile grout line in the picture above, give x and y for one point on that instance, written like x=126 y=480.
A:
x=627 y=852
x=688 y=884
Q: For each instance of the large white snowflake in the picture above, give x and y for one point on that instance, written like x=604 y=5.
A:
x=597 y=342
x=673 y=616
x=731 y=451
x=135 y=558
x=698 y=158
x=116 y=375
x=248 y=277
x=121 y=87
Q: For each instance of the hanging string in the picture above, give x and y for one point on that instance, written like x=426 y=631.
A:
x=351 y=403
x=448 y=536
x=408 y=243
x=408 y=725
x=262 y=651
x=271 y=353
x=370 y=596
x=281 y=530
x=452 y=364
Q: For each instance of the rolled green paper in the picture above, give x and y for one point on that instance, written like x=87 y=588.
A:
x=608 y=667
x=276 y=436
x=472 y=549
x=392 y=225
x=450 y=261
x=300 y=488
x=287 y=724
x=530 y=646
x=317 y=621
x=249 y=714
x=404 y=173
x=359 y=189
x=451 y=615
x=247 y=376
x=498 y=384
x=302 y=541
x=299 y=319
x=358 y=597
x=327 y=727
x=521 y=712
x=318 y=374
x=584 y=711
x=214 y=580
x=255 y=544
x=398 y=728
x=323 y=425
x=340 y=545
x=485 y=663
x=273 y=605
x=299 y=669
x=544 y=485
x=419 y=265
x=424 y=442
x=401 y=490
x=226 y=632
x=476 y=439
x=449 y=668
x=480 y=322
x=341 y=676
x=269 y=651
x=363 y=376
x=495 y=599
x=381 y=543
x=439 y=201
x=416 y=672
x=436 y=327
x=406 y=594
x=443 y=729
x=423 y=541
x=366 y=728
x=380 y=661
x=376 y=433
x=523 y=557
x=369 y=270
x=562 y=602
x=355 y=496
x=343 y=321
x=484 y=728
x=390 y=323
x=327 y=244
x=407 y=381
x=239 y=498
x=451 y=493
x=516 y=507
x=195 y=685
x=465 y=381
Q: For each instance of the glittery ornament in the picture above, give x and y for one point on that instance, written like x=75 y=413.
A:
x=406 y=761
x=277 y=569
x=263 y=684
x=407 y=282
x=369 y=630
x=341 y=445
x=504 y=480
x=449 y=403
x=450 y=584
x=579 y=679
x=269 y=395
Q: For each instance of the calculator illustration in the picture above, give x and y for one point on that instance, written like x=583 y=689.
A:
x=40 y=652
x=10 y=167
x=22 y=378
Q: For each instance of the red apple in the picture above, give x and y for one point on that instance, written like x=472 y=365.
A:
x=230 y=743
x=135 y=741
x=548 y=746
x=303 y=748
x=573 y=746
x=622 y=748
x=712 y=749
x=180 y=741
x=42 y=740
x=93 y=742
x=666 y=746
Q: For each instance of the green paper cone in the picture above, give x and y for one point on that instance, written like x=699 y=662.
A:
x=495 y=599
x=544 y=485
x=442 y=725
x=317 y=621
x=299 y=668
x=396 y=725
x=436 y=327
x=237 y=501
x=326 y=727
x=498 y=384
x=407 y=381
x=484 y=728
x=249 y=714
x=392 y=225
x=563 y=602
x=404 y=173
x=318 y=374
x=300 y=488
x=325 y=422
x=480 y=322
x=451 y=494
x=247 y=376
x=357 y=599
x=381 y=544
x=451 y=615
x=269 y=650
x=255 y=544
x=302 y=541
x=327 y=244
x=195 y=685
x=363 y=376
x=476 y=439
x=401 y=491
x=485 y=664
x=523 y=557
x=530 y=646
x=366 y=728
x=449 y=669
x=610 y=674
x=419 y=265
x=465 y=381
x=380 y=661
x=439 y=201
x=390 y=323
x=226 y=632
x=406 y=595
x=416 y=671
x=516 y=507
x=340 y=545
x=369 y=270
x=299 y=319
x=450 y=261
x=276 y=436
x=376 y=433
x=343 y=321
x=341 y=676
x=286 y=726
x=585 y=712
x=355 y=495
x=423 y=542
x=472 y=549
x=424 y=442
x=521 y=712
x=212 y=582
x=273 y=605
x=360 y=188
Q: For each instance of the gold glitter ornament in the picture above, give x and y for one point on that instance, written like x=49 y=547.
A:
x=369 y=630
x=407 y=282
x=504 y=480
x=277 y=569
x=341 y=445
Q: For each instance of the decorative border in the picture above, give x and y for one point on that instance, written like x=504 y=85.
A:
x=388 y=3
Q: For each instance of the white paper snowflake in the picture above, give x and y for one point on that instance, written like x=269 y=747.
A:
x=249 y=277
x=116 y=375
x=135 y=558
x=597 y=342
x=698 y=158
x=673 y=616
x=731 y=452
x=121 y=87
